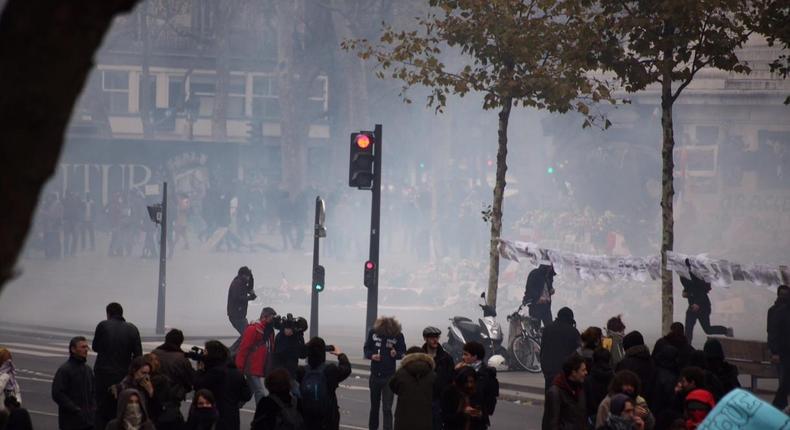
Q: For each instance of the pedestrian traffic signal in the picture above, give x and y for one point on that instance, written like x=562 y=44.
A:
x=361 y=161
x=370 y=274
x=550 y=170
x=318 y=278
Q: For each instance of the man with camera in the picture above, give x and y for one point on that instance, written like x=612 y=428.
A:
x=256 y=344
x=289 y=344
x=239 y=293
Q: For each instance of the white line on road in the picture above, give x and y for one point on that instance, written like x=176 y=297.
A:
x=49 y=414
x=35 y=353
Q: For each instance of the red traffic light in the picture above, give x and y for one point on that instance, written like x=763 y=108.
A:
x=369 y=265
x=363 y=141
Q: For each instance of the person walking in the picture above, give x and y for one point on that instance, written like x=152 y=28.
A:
x=9 y=387
x=116 y=342
x=226 y=382
x=560 y=341
x=240 y=292
x=444 y=367
x=257 y=343
x=566 y=407
x=538 y=292
x=318 y=382
x=383 y=347
x=73 y=389
x=413 y=383
x=778 y=328
x=696 y=291
x=132 y=412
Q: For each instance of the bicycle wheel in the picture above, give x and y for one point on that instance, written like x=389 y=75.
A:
x=526 y=352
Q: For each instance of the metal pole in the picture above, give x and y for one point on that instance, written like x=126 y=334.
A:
x=375 y=212
x=160 y=302
x=313 y=292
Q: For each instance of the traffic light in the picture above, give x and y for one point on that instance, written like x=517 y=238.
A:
x=318 y=278
x=550 y=170
x=370 y=274
x=360 y=165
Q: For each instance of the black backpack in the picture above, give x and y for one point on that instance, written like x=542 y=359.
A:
x=315 y=392
x=289 y=417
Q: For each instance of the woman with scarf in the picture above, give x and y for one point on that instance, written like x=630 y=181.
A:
x=132 y=413
x=459 y=410
x=8 y=384
x=203 y=414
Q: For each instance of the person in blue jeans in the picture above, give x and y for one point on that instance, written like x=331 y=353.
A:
x=383 y=347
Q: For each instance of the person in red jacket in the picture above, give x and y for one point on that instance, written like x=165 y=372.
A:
x=256 y=344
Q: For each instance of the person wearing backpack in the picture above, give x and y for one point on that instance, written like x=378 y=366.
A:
x=384 y=345
x=318 y=382
x=280 y=410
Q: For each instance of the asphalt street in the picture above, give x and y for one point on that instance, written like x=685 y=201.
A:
x=38 y=357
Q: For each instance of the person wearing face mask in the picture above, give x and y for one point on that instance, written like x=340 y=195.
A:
x=132 y=413
x=203 y=414
x=779 y=342
x=139 y=379
x=622 y=415
x=697 y=406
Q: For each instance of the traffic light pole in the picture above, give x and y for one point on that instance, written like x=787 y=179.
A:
x=314 y=293
x=160 y=302
x=375 y=216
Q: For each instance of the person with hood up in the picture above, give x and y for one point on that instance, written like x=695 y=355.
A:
x=218 y=375
x=638 y=360
x=565 y=407
x=132 y=413
x=778 y=325
x=697 y=406
x=328 y=374
x=615 y=331
x=460 y=405
x=538 y=292
x=257 y=344
x=622 y=415
x=413 y=383
x=676 y=338
x=628 y=383
x=723 y=370
x=596 y=386
x=696 y=291
x=443 y=366
x=73 y=389
x=665 y=378
x=203 y=414
x=8 y=384
x=138 y=378
x=384 y=345
x=280 y=405
x=560 y=340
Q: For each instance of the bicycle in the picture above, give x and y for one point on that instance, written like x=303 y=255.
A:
x=525 y=347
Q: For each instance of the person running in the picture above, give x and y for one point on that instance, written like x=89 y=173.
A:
x=696 y=291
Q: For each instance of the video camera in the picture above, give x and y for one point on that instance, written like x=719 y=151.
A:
x=297 y=324
x=196 y=353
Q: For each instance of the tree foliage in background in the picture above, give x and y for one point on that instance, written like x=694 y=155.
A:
x=513 y=52
x=774 y=23
x=668 y=42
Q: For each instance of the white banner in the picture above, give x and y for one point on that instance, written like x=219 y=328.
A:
x=608 y=268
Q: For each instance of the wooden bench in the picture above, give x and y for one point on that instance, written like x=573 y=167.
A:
x=751 y=357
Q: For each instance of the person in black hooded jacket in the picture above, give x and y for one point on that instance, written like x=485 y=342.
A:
x=334 y=374
x=696 y=291
x=724 y=371
x=538 y=292
x=596 y=386
x=637 y=359
x=677 y=338
x=226 y=382
x=665 y=378
x=560 y=341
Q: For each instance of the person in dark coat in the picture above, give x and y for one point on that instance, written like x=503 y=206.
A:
x=665 y=378
x=18 y=418
x=596 y=386
x=73 y=389
x=637 y=359
x=696 y=291
x=778 y=325
x=334 y=374
x=443 y=366
x=225 y=381
x=691 y=378
x=203 y=414
x=724 y=371
x=132 y=413
x=176 y=367
x=712 y=381
x=289 y=347
x=413 y=383
x=538 y=292
x=240 y=292
x=116 y=342
x=460 y=406
x=383 y=346
x=487 y=384
x=565 y=407
x=279 y=404
x=676 y=338
x=560 y=341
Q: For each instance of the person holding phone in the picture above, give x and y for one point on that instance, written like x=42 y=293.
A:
x=383 y=347
x=460 y=409
x=318 y=382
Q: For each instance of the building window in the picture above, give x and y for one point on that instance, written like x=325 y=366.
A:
x=175 y=92
x=202 y=87
x=236 y=94
x=264 y=97
x=115 y=87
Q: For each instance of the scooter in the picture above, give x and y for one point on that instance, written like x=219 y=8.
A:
x=487 y=331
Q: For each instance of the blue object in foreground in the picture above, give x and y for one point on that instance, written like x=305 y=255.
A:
x=742 y=410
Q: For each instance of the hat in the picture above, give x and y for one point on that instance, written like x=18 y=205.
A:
x=617 y=403
x=701 y=396
x=431 y=332
x=633 y=339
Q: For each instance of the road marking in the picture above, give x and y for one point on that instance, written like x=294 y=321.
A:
x=25 y=378
x=49 y=414
x=35 y=353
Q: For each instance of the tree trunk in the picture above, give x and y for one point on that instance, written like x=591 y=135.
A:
x=46 y=54
x=667 y=193
x=496 y=210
